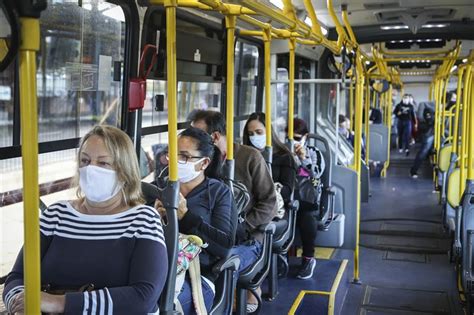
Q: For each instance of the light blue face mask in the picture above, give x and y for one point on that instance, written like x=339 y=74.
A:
x=258 y=141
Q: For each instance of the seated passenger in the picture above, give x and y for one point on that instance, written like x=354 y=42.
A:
x=205 y=208
x=252 y=171
x=311 y=163
x=105 y=240
x=283 y=163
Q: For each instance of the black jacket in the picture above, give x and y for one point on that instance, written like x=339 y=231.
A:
x=213 y=217
x=404 y=111
x=284 y=172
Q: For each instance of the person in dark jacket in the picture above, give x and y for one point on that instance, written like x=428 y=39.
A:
x=427 y=132
x=405 y=114
x=310 y=163
x=283 y=163
x=205 y=208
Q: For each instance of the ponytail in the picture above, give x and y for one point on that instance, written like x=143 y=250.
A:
x=214 y=170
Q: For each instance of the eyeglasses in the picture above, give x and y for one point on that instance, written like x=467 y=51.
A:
x=296 y=138
x=183 y=158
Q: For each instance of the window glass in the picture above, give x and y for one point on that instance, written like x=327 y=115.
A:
x=191 y=96
x=280 y=110
x=303 y=91
x=248 y=72
x=7 y=82
x=75 y=79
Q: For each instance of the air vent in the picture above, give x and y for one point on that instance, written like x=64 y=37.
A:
x=428 y=15
x=380 y=6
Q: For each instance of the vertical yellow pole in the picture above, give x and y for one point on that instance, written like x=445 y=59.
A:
x=291 y=88
x=267 y=36
x=230 y=27
x=30 y=43
x=357 y=153
x=470 y=153
x=458 y=109
x=367 y=125
x=172 y=86
x=437 y=120
x=388 y=104
x=351 y=104
x=465 y=129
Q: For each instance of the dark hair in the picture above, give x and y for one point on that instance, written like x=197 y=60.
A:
x=215 y=121
x=342 y=119
x=206 y=148
x=277 y=145
x=299 y=126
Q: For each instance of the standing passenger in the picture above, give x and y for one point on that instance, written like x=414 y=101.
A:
x=105 y=239
x=405 y=115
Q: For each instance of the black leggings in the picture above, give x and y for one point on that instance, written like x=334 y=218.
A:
x=308 y=226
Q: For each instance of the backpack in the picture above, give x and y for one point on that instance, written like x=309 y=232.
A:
x=309 y=185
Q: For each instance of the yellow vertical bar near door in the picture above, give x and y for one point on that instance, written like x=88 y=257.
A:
x=351 y=104
x=230 y=27
x=470 y=153
x=465 y=129
x=291 y=88
x=357 y=153
x=268 y=95
x=367 y=125
x=458 y=109
x=388 y=106
x=30 y=43
x=172 y=87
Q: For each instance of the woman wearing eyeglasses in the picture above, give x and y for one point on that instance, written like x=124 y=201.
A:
x=205 y=207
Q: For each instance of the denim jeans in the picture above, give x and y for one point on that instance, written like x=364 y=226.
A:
x=425 y=149
x=186 y=298
x=248 y=253
x=404 y=134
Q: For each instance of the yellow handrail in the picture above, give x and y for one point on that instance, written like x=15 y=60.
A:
x=366 y=119
x=30 y=44
x=458 y=109
x=467 y=109
x=170 y=6
x=357 y=152
x=291 y=89
x=230 y=21
x=267 y=40
x=469 y=101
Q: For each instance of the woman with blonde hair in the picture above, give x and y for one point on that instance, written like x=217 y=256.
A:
x=104 y=252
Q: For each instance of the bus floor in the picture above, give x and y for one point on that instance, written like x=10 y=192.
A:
x=404 y=262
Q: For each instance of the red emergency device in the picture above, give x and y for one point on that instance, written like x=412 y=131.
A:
x=137 y=86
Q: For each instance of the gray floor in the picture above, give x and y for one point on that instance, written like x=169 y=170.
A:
x=405 y=268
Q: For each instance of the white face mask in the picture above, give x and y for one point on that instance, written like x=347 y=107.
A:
x=406 y=101
x=98 y=184
x=301 y=142
x=187 y=172
x=258 y=141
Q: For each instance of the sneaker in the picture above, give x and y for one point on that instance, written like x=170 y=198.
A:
x=407 y=152
x=307 y=268
x=400 y=150
x=414 y=175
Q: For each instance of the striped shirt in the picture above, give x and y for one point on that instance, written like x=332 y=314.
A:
x=123 y=255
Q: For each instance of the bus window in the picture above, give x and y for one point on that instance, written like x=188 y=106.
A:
x=75 y=81
x=7 y=85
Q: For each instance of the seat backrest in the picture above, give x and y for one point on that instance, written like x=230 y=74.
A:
x=453 y=195
x=445 y=157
